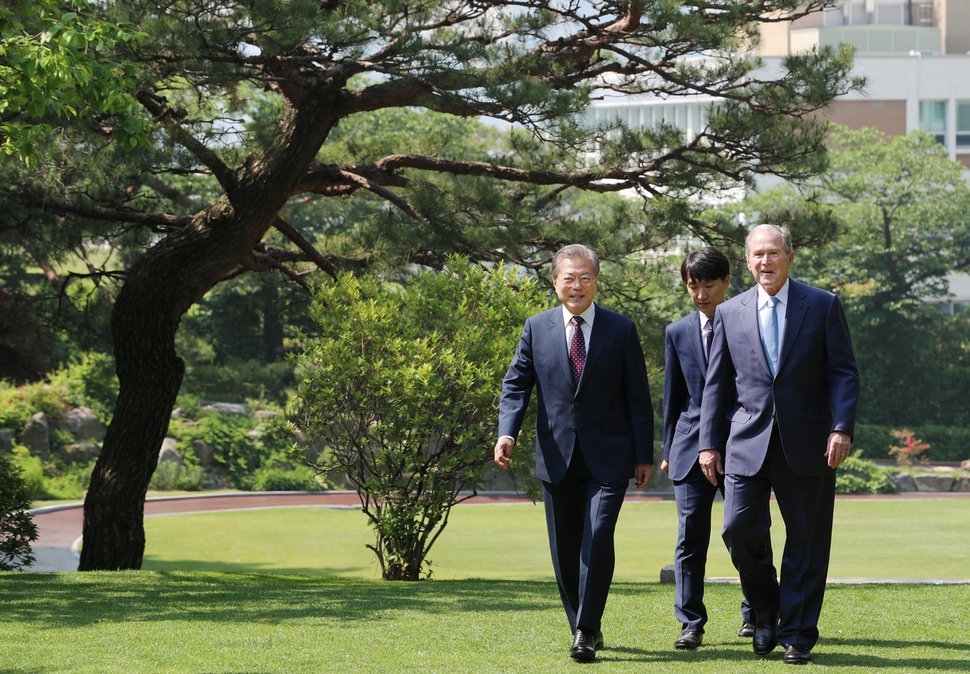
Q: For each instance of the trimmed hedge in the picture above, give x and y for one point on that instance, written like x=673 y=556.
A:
x=947 y=443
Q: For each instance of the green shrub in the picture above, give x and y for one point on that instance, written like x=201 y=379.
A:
x=89 y=381
x=300 y=478
x=17 y=529
x=240 y=381
x=172 y=476
x=19 y=403
x=66 y=484
x=232 y=447
x=858 y=476
x=946 y=443
x=31 y=472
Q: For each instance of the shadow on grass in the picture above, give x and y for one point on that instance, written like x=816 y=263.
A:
x=65 y=599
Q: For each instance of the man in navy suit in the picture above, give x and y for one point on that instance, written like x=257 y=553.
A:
x=782 y=390
x=707 y=276
x=594 y=432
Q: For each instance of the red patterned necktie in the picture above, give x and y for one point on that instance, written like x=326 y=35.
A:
x=577 y=349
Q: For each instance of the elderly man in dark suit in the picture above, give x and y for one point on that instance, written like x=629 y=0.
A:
x=707 y=276
x=781 y=391
x=594 y=432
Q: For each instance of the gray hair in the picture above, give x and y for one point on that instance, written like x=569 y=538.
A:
x=781 y=229
x=572 y=252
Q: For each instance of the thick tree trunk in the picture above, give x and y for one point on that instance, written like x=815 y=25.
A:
x=160 y=288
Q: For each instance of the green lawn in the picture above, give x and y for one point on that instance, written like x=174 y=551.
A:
x=292 y=590
x=883 y=538
x=193 y=623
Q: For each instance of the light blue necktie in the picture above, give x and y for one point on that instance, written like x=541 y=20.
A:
x=771 y=335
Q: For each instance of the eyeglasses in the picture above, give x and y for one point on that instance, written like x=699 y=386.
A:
x=570 y=280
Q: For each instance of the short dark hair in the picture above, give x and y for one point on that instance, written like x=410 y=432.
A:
x=706 y=264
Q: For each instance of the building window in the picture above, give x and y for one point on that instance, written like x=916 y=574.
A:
x=963 y=123
x=932 y=119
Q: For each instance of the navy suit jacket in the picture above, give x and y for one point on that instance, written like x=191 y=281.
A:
x=684 y=375
x=815 y=391
x=609 y=412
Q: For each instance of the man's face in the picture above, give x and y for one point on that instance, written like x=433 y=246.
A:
x=767 y=259
x=706 y=295
x=575 y=284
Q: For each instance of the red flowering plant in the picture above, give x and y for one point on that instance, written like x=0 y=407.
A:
x=910 y=450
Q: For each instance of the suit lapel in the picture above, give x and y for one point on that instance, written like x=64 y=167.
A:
x=696 y=341
x=558 y=331
x=797 y=308
x=751 y=325
x=597 y=339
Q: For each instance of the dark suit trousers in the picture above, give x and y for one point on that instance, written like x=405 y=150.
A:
x=807 y=505
x=695 y=497
x=581 y=516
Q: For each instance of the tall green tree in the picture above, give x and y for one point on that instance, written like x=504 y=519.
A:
x=312 y=66
x=902 y=209
x=906 y=208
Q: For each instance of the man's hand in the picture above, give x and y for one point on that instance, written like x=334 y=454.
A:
x=644 y=474
x=503 y=452
x=711 y=465
x=840 y=444
x=665 y=467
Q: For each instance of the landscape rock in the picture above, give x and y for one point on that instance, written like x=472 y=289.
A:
x=6 y=440
x=203 y=452
x=962 y=483
x=904 y=482
x=169 y=453
x=79 y=452
x=83 y=424
x=237 y=409
x=667 y=574
x=36 y=436
x=934 y=483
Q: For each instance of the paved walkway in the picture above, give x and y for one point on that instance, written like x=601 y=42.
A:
x=59 y=527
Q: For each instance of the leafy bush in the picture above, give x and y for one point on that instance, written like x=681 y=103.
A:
x=405 y=398
x=19 y=403
x=229 y=438
x=66 y=483
x=17 y=529
x=90 y=381
x=172 y=476
x=52 y=479
x=31 y=470
x=301 y=478
x=947 y=443
x=240 y=381
x=858 y=476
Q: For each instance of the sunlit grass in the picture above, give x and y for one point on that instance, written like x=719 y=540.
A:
x=883 y=538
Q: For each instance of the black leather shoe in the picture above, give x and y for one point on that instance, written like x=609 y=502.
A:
x=584 y=646
x=689 y=640
x=598 y=644
x=764 y=640
x=797 y=655
x=747 y=630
